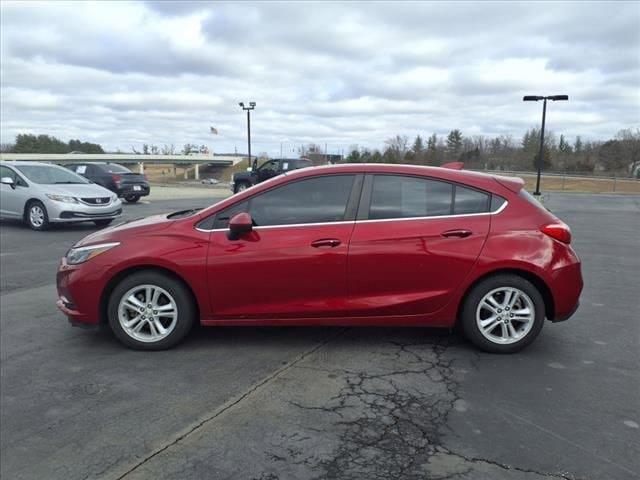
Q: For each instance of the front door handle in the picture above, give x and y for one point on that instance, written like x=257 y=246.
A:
x=460 y=233
x=326 y=242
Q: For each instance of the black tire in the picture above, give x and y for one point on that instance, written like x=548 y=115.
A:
x=36 y=204
x=241 y=186
x=468 y=313
x=132 y=198
x=103 y=223
x=186 y=310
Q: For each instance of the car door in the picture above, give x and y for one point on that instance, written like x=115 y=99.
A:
x=13 y=199
x=294 y=262
x=414 y=242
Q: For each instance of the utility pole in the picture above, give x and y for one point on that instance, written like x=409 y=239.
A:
x=248 y=109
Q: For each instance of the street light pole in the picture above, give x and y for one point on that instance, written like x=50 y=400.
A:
x=248 y=109
x=535 y=98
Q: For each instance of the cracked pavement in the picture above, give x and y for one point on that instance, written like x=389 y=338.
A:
x=316 y=403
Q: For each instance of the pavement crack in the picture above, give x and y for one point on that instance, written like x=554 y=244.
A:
x=232 y=403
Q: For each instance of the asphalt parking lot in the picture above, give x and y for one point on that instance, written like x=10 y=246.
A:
x=289 y=403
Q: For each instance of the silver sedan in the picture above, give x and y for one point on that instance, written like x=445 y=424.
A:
x=41 y=193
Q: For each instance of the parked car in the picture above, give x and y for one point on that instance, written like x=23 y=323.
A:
x=120 y=180
x=40 y=194
x=393 y=245
x=243 y=180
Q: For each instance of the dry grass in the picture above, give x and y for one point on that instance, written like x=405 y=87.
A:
x=582 y=184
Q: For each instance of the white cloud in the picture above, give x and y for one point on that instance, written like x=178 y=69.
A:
x=124 y=73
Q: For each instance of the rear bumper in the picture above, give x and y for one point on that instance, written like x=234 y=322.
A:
x=127 y=189
x=566 y=286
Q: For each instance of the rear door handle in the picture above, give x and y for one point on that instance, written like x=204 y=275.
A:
x=460 y=233
x=326 y=242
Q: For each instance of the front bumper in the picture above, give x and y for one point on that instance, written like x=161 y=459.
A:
x=79 y=292
x=80 y=212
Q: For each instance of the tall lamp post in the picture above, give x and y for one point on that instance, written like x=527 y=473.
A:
x=535 y=98
x=248 y=109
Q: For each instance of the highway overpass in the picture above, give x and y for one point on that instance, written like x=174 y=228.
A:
x=127 y=158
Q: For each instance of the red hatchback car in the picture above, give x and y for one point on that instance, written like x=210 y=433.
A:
x=392 y=245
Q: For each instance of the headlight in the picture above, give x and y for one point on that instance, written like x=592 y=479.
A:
x=62 y=198
x=82 y=254
x=114 y=197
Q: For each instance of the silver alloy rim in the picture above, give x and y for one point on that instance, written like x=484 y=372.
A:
x=505 y=315
x=36 y=216
x=147 y=313
x=242 y=186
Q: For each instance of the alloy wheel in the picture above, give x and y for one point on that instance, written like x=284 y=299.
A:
x=147 y=313
x=505 y=315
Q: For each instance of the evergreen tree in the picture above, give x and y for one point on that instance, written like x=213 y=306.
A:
x=454 y=143
x=577 y=146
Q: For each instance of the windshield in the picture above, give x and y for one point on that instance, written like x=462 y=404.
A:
x=50 y=174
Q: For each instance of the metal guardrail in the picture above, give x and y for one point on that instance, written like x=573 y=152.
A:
x=122 y=158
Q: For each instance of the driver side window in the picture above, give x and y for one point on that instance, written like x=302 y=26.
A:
x=313 y=200
x=270 y=166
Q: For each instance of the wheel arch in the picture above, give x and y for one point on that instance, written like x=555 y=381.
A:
x=25 y=210
x=537 y=281
x=119 y=276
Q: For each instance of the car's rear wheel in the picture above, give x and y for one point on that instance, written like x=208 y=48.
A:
x=36 y=215
x=132 y=198
x=503 y=314
x=103 y=223
x=150 y=310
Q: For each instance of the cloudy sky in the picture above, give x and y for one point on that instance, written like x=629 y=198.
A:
x=123 y=74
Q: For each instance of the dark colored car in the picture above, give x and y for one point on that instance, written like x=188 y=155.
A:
x=352 y=245
x=272 y=168
x=112 y=176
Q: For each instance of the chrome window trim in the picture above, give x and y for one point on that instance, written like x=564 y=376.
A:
x=295 y=225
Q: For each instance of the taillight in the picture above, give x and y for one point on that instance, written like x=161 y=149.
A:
x=558 y=231
x=116 y=177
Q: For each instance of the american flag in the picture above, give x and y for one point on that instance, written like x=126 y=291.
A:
x=214 y=130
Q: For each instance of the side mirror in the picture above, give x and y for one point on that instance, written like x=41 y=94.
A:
x=239 y=225
x=8 y=181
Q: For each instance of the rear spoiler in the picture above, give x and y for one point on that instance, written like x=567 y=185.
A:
x=514 y=184
x=453 y=165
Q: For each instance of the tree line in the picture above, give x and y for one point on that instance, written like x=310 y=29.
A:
x=29 y=143
x=618 y=155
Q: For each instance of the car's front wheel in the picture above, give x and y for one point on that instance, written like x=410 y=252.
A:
x=36 y=215
x=241 y=187
x=132 y=198
x=150 y=310
x=503 y=314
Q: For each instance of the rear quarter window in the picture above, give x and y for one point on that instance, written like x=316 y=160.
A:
x=468 y=200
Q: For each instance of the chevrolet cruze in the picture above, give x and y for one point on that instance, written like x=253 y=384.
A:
x=392 y=245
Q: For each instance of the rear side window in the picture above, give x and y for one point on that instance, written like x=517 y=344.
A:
x=468 y=200
x=395 y=196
